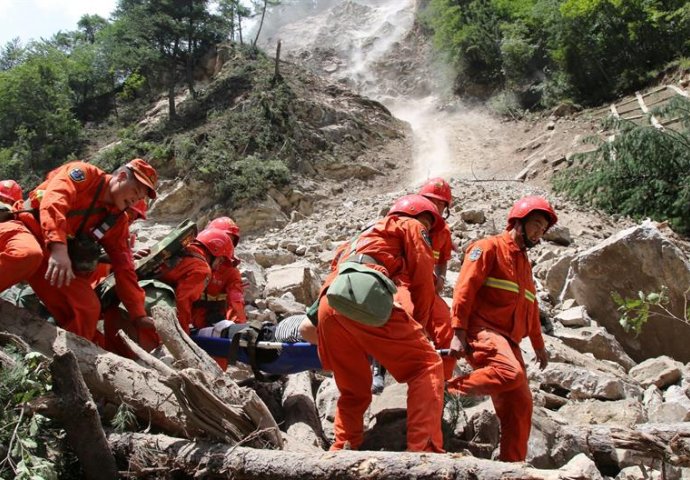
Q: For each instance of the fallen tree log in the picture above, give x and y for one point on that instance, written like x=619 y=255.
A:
x=108 y=376
x=79 y=416
x=665 y=442
x=207 y=395
x=301 y=417
x=241 y=419
x=146 y=391
x=209 y=461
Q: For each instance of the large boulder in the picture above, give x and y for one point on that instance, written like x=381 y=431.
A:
x=637 y=259
x=597 y=341
x=297 y=278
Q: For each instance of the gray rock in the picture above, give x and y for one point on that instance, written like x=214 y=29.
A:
x=556 y=276
x=662 y=372
x=268 y=258
x=574 y=317
x=559 y=235
x=637 y=259
x=473 y=216
x=326 y=401
x=297 y=278
x=582 y=383
x=597 y=341
x=627 y=412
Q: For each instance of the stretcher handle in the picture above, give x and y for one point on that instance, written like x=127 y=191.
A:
x=444 y=352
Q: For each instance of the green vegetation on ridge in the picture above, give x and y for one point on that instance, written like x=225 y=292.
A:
x=547 y=51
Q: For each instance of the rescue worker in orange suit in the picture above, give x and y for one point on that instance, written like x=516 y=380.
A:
x=223 y=298
x=134 y=213
x=494 y=308
x=188 y=272
x=399 y=247
x=79 y=199
x=111 y=322
x=20 y=254
x=437 y=190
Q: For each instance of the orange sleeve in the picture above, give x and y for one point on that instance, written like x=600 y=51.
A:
x=116 y=244
x=60 y=195
x=234 y=292
x=189 y=290
x=419 y=259
x=534 y=330
x=478 y=263
x=443 y=245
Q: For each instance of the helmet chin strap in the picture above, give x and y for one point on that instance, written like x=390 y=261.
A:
x=527 y=243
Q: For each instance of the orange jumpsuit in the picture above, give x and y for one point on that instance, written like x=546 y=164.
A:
x=494 y=300
x=223 y=297
x=401 y=247
x=62 y=201
x=20 y=253
x=189 y=277
x=439 y=327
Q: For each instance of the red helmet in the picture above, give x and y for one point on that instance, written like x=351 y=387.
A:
x=138 y=210
x=438 y=189
x=218 y=242
x=527 y=205
x=413 y=205
x=10 y=191
x=227 y=225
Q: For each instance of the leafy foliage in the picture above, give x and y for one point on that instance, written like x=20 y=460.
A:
x=28 y=444
x=643 y=172
x=635 y=312
x=583 y=50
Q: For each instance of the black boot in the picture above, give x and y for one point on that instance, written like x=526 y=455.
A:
x=379 y=372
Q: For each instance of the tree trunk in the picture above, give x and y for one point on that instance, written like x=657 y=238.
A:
x=187 y=403
x=204 y=460
x=261 y=24
x=301 y=417
x=107 y=375
x=666 y=442
x=243 y=463
x=80 y=418
x=276 y=73
x=172 y=81
x=218 y=395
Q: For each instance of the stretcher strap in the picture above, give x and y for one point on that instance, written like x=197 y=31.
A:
x=250 y=336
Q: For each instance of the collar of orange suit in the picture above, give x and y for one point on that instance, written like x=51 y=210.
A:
x=514 y=247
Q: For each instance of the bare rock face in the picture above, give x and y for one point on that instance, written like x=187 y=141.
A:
x=297 y=278
x=556 y=275
x=180 y=198
x=637 y=259
x=255 y=217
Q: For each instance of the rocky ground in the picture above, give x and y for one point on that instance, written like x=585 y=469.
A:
x=599 y=376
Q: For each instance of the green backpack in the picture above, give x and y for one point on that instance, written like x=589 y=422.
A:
x=362 y=294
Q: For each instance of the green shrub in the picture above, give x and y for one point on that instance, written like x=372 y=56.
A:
x=643 y=172
x=585 y=50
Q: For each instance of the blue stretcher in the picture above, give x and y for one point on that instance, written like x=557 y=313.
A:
x=291 y=357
